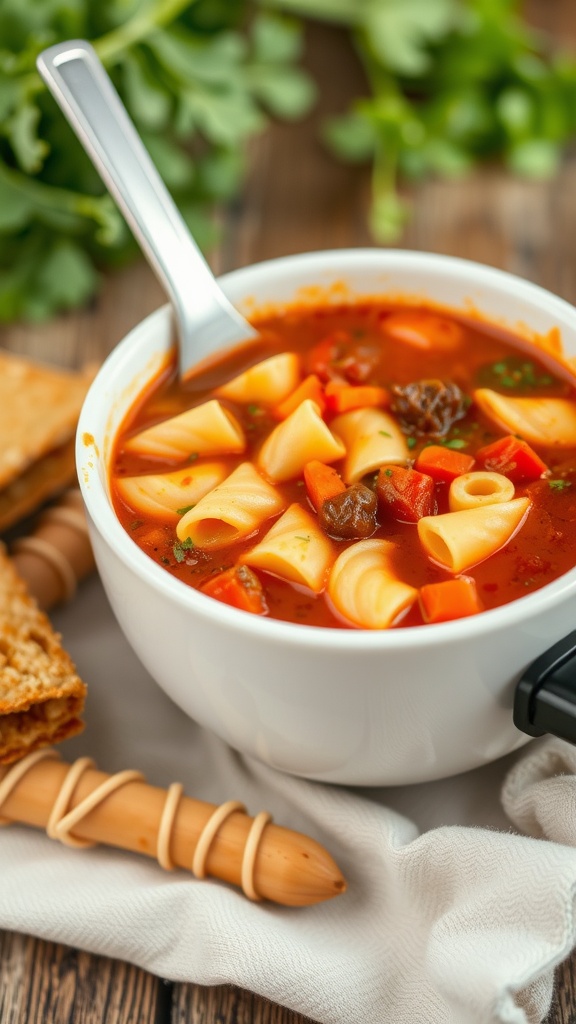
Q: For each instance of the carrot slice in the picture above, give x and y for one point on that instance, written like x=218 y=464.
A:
x=512 y=457
x=443 y=464
x=405 y=494
x=344 y=397
x=310 y=387
x=238 y=587
x=451 y=599
x=322 y=482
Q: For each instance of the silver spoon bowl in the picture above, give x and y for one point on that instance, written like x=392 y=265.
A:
x=206 y=322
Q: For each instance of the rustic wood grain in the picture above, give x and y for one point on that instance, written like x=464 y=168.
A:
x=296 y=199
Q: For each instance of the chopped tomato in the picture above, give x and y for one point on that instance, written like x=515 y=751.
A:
x=423 y=330
x=321 y=359
x=322 y=482
x=343 y=397
x=311 y=387
x=238 y=587
x=451 y=599
x=405 y=494
x=443 y=464
x=512 y=457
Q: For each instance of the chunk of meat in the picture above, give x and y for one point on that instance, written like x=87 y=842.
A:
x=350 y=515
x=430 y=407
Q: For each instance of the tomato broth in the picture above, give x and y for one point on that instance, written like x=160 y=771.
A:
x=440 y=378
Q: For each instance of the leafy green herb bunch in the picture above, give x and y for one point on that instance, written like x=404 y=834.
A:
x=198 y=79
x=449 y=84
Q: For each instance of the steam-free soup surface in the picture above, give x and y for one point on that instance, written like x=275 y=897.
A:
x=449 y=387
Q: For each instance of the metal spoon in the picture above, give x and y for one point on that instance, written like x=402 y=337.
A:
x=206 y=321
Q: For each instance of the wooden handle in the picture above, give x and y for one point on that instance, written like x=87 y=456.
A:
x=266 y=860
x=54 y=559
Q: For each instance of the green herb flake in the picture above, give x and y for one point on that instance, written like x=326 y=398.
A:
x=388 y=472
x=254 y=410
x=181 y=547
x=411 y=442
x=193 y=456
x=305 y=539
x=456 y=443
x=136 y=523
x=182 y=511
x=559 y=485
x=384 y=433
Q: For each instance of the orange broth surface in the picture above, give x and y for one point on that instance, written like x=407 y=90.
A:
x=469 y=353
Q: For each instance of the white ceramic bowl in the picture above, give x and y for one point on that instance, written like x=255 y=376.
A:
x=346 y=706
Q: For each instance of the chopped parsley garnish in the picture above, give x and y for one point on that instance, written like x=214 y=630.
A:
x=384 y=433
x=456 y=442
x=559 y=485
x=388 y=472
x=136 y=523
x=516 y=373
x=305 y=539
x=182 y=511
x=181 y=547
x=411 y=442
x=254 y=410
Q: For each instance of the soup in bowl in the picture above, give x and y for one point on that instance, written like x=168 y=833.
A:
x=342 y=558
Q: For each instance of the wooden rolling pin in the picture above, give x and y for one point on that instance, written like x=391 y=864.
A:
x=81 y=806
x=58 y=554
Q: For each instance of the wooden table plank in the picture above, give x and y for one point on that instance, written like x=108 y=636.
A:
x=296 y=199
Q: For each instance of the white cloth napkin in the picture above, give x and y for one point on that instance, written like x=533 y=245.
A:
x=450 y=914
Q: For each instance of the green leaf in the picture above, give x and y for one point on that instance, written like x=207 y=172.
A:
x=399 y=33
x=174 y=164
x=534 y=158
x=146 y=99
x=276 y=39
x=21 y=128
x=351 y=137
x=66 y=276
x=286 y=92
x=388 y=216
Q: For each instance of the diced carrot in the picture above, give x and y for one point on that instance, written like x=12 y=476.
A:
x=343 y=397
x=443 y=464
x=238 y=587
x=322 y=482
x=423 y=330
x=512 y=457
x=405 y=494
x=310 y=387
x=451 y=599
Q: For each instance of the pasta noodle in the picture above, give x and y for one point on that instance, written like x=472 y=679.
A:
x=162 y=495
x=296 y=549
x=479 y=488
x=300 y=438
x=372 y=439
x=232 y=511
x=549 y=421
x=459 y=540
x=207 y=429
x=365 y=590
x=268 y=382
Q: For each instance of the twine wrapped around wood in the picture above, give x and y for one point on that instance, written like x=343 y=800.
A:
x=58 y=554
x=80 y=806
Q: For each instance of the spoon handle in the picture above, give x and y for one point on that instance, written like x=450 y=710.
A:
x=81 y=87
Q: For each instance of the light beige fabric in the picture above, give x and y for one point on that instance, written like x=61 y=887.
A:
x=451 y=916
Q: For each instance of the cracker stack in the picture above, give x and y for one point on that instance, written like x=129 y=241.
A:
x=41 y=697
x=39 y=408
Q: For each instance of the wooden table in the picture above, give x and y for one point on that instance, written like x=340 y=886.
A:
x=296 y=199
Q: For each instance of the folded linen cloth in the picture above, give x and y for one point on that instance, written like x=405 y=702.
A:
x=450 y=916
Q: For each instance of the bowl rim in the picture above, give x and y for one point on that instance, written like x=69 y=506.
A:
x=264 y=629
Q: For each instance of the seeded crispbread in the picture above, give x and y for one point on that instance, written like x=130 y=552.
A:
x=41 y=695
x=39 y=408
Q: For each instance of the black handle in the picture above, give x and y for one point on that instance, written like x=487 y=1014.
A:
x=545 y=699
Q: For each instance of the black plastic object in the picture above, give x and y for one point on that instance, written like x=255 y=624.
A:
x=545 y=699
